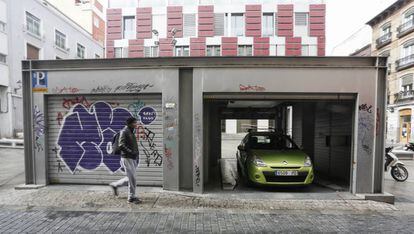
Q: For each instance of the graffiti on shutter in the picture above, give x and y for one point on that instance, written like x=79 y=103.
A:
x=81 y=132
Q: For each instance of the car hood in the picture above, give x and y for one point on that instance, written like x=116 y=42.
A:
x=278 y=157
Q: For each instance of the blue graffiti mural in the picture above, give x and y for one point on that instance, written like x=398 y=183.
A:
x=86 y=134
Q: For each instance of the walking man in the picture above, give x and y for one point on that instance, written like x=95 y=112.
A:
x=128 y=146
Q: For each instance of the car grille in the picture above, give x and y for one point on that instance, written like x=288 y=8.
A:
x=271 y=177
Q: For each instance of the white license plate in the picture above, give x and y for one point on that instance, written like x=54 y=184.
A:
x=286 y=173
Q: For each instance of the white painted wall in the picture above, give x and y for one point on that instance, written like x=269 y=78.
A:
x=231 y=126
x=18 y=37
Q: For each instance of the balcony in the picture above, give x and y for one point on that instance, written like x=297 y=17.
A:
x=405 y=62
x=404 y=95
x=384 y=40
x=405 y=28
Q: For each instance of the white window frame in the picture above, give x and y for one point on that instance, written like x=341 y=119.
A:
x=213 y=47
x=189 y=30
x=264 y=29
x=56 y=40
x=83 y=52
x=306 y=49
x=299 y=23
x=233 y=25
x=129 y=34
x=3 y=58
x=153 y=51
x=3 y=26
x=244 y=50
x=35 y=23
x=180 y=51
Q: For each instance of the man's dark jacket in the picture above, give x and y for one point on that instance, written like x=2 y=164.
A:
x=128 y=143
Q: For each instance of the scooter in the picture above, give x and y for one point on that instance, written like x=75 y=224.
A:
x=398 y=170
x=409 y=146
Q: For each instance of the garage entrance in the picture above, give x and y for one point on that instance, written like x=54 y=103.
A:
x=321 y=127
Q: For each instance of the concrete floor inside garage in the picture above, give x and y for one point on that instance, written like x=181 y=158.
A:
x=322 y=128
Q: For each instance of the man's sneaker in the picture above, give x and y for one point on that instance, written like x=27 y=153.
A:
x=134 y=200
x=114 y=190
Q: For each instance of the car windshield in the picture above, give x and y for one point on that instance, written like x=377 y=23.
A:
x=271 y=142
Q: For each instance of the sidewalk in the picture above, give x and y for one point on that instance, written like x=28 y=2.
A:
x=100 y=198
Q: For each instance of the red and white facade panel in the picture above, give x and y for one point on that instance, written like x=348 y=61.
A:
x=270 y=28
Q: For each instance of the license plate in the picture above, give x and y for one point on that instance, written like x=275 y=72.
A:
x=286 y=173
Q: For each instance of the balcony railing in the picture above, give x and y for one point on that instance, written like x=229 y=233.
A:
x=403 y=95
x=405 y=62
x=384 y=40
x=405 y=28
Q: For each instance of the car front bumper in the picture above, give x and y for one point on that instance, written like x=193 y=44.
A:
x=267 y=176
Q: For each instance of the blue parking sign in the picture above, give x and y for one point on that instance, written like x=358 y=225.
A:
x=39 y=81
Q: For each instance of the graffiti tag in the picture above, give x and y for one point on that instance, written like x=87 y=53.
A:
x=86 y=132
x=66 y=90
x=39 y=128
x=151 y=153
x=365 y=107
x=255 y=88
x=69 y=103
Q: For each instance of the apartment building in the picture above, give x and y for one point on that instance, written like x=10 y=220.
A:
x=148 y=28
x=89 y=14
x=393 y=37
x=34 y=29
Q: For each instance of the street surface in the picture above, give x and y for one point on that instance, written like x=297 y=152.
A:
x=93 y=209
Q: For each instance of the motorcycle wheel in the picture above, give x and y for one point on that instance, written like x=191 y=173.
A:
x=399 y=173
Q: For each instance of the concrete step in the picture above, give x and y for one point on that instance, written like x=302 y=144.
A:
x=11 y=143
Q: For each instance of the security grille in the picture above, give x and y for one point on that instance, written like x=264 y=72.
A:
x=80 y=131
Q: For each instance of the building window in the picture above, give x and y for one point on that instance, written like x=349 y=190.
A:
x=96 y=21
x=409 y=16
x=151 y=51
x=80 y=51
x=237 y=25
x=305 y=50
x=129 y=29
x=2 y=26
x=32 y=24
x=124 y=3
x=189 y=25
x=32 y=52
x=60 y=40
x=182 y=51
x=219 y=24
x=268 y=25
x=118 y=52
x=213 y=50
x=408 y=49
x=280 y=50
x=386 y=30
x=301 y=19
x=3 y=58
x=151 y=3
x=245 y=50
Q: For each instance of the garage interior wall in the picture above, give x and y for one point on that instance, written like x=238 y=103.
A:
x=325 y=135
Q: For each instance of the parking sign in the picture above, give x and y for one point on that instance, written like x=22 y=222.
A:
x=39 y=81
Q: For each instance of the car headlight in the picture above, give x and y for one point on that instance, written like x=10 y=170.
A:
x=308 y=162
x=259 y=163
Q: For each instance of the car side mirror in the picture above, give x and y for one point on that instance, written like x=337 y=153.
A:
x=241 y=148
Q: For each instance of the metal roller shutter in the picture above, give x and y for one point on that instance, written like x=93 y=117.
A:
x=80 y=129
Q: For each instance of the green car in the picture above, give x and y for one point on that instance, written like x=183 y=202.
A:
x=271 y=158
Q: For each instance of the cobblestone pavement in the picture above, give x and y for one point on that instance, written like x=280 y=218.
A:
x=41 y=221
